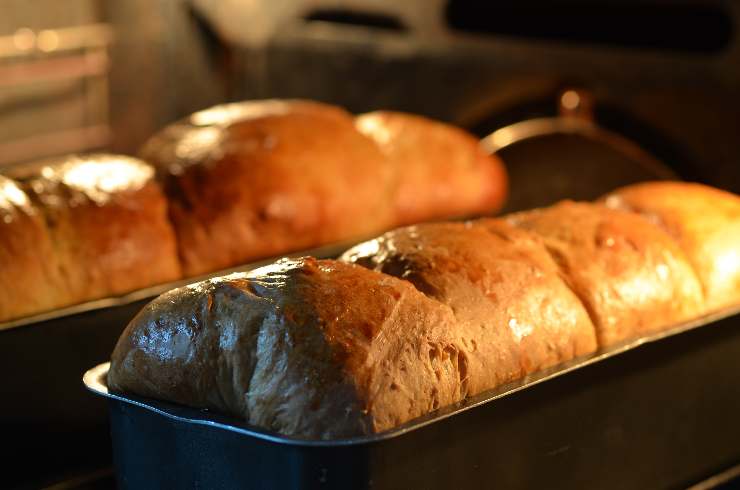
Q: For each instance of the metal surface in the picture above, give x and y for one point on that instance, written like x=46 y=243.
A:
x=62 y=424
x=645 y=414
x=328 y=251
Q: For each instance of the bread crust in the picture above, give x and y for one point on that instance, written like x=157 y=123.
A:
x=311 y=348
x=442 y=171
x=631 y=276
x=96 y=225
x=257 y=179
x=703 y=220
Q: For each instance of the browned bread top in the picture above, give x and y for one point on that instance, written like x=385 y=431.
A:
x=303 y=347
x=514 y=313
x=102 y=220
x=441 y=169
x=30 y=279
x=706 y=223
x=263 y=178
x=631 y=276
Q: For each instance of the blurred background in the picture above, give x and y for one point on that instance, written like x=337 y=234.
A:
x=577 y=97
x=614 y=91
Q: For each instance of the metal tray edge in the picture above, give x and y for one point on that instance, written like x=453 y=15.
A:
x=323 y=252
x=95 y=381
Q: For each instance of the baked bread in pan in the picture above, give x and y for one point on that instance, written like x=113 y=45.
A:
x=441 y=171
x=631 y=276
x=30 y=278
x=264 y=178
x=703 y=220
x=83 y=228
x=241 y=182
x=416 y=319
x=261 y=178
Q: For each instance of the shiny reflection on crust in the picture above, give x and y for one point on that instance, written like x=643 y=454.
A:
x=278 y=269
x=727 y=265
x=225 y=114
x=99 y=176
x=12 y=198
x=374 y=127
x=197 y=144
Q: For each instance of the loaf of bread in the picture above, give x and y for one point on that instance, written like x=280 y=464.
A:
x=442 y=171
x=256 y=179
x=80 y=228
x=631 y=276
x=241 y=182
x=704 y=221
x=422 y=317
x=30 y=278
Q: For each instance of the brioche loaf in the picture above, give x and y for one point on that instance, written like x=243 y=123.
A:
x=631 y=276
x=442 y=171
x=83 y=228
x=261 y=178
x=421 y=317
x=704 y=221
x=30 y=278
x=272 y=345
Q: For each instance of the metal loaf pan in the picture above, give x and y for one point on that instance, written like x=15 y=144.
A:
x=659 y=412
x=61 y=424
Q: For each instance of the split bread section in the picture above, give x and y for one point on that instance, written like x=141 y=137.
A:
x=255 y=179
x=704 y=221
x=80 y=228
x=229 y=185
x=419 y=318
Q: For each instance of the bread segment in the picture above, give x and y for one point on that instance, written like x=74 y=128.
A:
x=704 y=221
x=88 y=227
x=631 y=276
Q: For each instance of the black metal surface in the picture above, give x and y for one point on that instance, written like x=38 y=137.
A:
x=52 y=425
x=61 y=424
x=662 y=415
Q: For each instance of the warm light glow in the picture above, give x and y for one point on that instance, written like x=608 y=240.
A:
x=726 y=266
x=373 y=127
x=570 y=100
x=223 y=115
x=99 y=177
x=24 y=39
x=198 y=143
x=11 y=197
x=48 y=41
x=519 y=330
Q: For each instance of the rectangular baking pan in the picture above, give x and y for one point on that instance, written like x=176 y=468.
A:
x=659 y=412
x=61 y=424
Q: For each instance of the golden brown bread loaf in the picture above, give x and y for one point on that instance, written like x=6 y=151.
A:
x=704 y=221
x=513 y=311
x=243 y=181
x=30 y=279
x=261 y=178
x=255 y=179
x=313 y=348
x=84 y=228
x=631 y=276
x=328 y=349
x=418 y=318
x=442 y=171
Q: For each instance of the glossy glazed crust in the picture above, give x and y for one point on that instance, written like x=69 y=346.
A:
x=316 y=349
x=514 y=314
x=29 y=272
x=257 y=179
x=704 y=221
x=631 y=276
x=442 y=170
x=100 y=228
x=419 y=318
